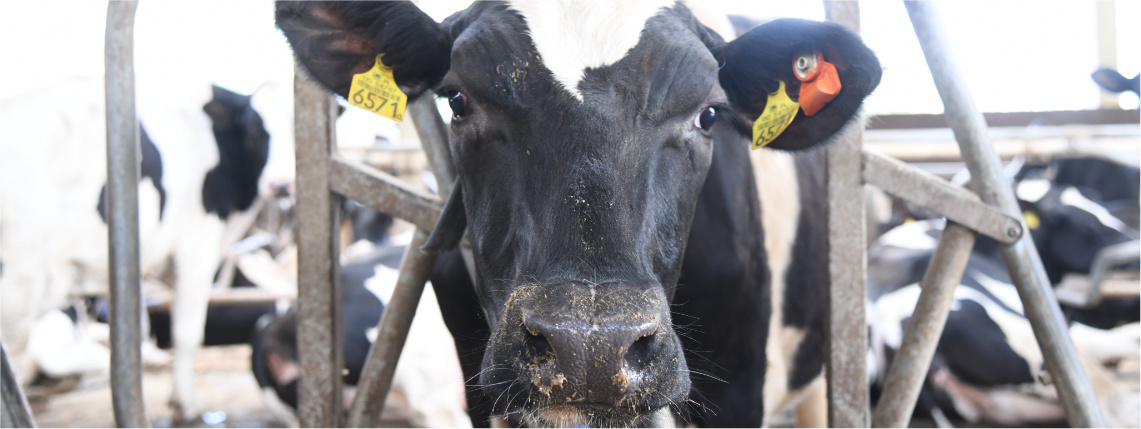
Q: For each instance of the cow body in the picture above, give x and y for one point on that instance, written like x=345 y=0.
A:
x=206 y=155
x=625 y=265
x=428 y=375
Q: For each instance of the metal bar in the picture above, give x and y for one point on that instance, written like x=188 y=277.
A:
x=1021 y=258
x=1103 y=263
x=225 y=297
x=15 y=410
x=123 y=216
x=909 y=368
x=957 y=204
x=847 y=267
x=434 y=137
x=376 y=378
x=847 y=264
x=318 y=286
x=1010 y=119
x=383 y=192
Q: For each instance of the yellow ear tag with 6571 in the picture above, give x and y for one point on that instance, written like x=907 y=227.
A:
x=376 y=91
x=778 y=113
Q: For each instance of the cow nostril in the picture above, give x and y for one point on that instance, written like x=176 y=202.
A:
x=640 y=352
x=538 y=345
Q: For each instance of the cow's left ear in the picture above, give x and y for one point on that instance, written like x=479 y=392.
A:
x=753 y=65
x=336 y=40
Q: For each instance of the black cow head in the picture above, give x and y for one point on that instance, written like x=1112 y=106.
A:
x=582 y=136
x=1068 y=229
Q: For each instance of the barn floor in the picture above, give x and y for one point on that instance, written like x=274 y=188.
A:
x=229 y=397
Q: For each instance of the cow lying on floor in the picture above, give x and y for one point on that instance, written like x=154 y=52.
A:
x=205 y=159
x=428 y=374
x=988 y=367
x=626 y=270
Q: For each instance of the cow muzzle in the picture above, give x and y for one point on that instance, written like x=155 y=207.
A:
x=587 y=353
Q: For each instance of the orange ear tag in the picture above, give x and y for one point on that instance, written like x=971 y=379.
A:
x=819 y=82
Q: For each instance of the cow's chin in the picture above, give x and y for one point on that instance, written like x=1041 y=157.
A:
x=565 y=416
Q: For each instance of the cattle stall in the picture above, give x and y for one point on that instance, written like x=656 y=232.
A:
x=324 y=178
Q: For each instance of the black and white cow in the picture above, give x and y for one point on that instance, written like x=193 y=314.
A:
x=207 y=153
x=987 y=367
x=626 y=268
x=428 y=374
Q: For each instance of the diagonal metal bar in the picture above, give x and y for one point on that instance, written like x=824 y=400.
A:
x=123 y=216
x=1021 y=258
x=15 y=412
x=319 y=341
x=380 y=366
x=909 y=368
x=383 y=192
x=957 y=204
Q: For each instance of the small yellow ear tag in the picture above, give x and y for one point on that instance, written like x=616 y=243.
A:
x=376 y=91
x=1031 y=219
x=778 y=113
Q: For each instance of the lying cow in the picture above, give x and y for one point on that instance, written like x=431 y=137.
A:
x=428 y=375
x=206 y=156
x=988 y=367
x=626 y=269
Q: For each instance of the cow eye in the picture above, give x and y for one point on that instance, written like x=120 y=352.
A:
x=458 y=102
x=706 y=119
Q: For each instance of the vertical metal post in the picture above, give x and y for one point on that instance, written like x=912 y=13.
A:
x=847 y=265
x=376 y=378
x=319 y=279
x=909 y=368
x=123 y=216
x=1021 y=258
x=14 y=410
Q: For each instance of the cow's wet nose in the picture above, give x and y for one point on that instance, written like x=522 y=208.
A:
x=593 y=361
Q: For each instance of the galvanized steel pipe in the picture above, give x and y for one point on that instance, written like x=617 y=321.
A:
x=123 y=216
x=380 y=366
x=1021 y=258
x=14 y=410
x=909 y=368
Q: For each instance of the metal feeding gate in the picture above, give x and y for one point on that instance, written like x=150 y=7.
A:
x=323 y=178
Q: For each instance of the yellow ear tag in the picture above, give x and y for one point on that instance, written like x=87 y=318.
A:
x=376 y=91
x=778 y=113
x=1031 y=219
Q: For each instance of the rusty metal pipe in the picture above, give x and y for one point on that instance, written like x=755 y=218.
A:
x=123 y=216
x=909 y=368
x=319 y=333
x=1021 y=258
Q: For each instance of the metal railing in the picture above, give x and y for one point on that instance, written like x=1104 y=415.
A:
x=323 y=178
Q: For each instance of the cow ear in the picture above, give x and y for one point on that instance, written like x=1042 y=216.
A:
x=450 y=226
x=336 y=40
x=753 y=65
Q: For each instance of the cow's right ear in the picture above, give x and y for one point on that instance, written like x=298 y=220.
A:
x=336 y=40
x=450 y=226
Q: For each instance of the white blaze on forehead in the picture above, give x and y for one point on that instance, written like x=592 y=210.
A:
x=572 y=36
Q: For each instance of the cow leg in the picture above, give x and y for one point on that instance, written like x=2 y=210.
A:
x=812 y=411
x=196 y=260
